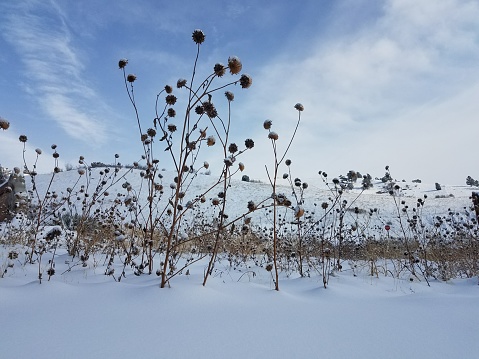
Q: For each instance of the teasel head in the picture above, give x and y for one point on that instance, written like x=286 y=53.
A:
x=234 y=64
x=122 y=63
x=245 y=81
x=219 y=70
x=198 y=36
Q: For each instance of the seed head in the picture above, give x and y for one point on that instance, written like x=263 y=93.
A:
x=210 y=109
x=23 y=138
x=215 y=201
x=210 y=141
x=273 y=136
x=181 y=83
x=228 y=161
x=219 y=70
x=168 y=89
x=299 y=107
x=251 y=206
x=233 y=148
x=171 y=112
x=234 y=64
x=249 y=143
x=170 y=100
x=267 y=124
x=198 y=36
x=288 y=162
x=81 y=171
x=151 y=132
x=171 y=127
x=38 y=151
x=241 y=166
x=131 y=78
x=202 y=133
x=4 y=124
x=245 y=81
x=56 y=155
x=122 y=63
x=229 y=96
x=199 y=110
x=54 y=146
x=206 y=165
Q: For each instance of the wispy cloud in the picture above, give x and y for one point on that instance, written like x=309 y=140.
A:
x=39 y=33
x=415 y=55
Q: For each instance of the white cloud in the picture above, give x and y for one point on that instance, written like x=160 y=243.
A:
x=361 y=89
x=54 y=69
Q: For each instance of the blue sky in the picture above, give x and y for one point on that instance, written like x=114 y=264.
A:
x=392 y=82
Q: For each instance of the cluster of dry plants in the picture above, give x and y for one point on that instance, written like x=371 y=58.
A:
x=161 y=229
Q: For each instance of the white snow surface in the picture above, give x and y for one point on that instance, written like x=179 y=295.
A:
x=82 y=313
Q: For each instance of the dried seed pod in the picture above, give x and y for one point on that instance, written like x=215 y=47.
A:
x=273 y=136
x=234 y=64
x=198 y=36
x=122 y=63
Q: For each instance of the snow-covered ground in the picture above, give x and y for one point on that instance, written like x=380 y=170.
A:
x=81 y=313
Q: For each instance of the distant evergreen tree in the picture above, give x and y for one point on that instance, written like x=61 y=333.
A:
x=472 y=182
